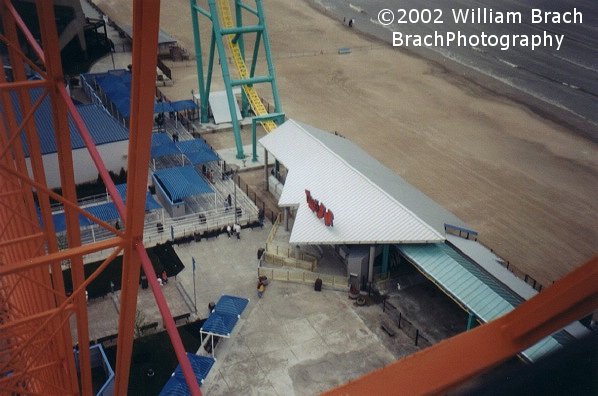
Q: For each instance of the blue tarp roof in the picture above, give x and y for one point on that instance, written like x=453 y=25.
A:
x=177 y=386
x=160 y=138
x=163 y=150
x=106 y=212
x=231 y=305
x=202 y=157
x=102 y=126
x=220 y=324
x=190 y=146
x=180 y=183
x=116 y=84
x=184 y=105
x=162 y=107
x=150 y=202
x=197 y=151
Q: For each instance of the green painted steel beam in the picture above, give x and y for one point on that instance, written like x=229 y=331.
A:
x=242 y=29
x=239 y=38
x=248 y=8
x=203 y=97
x=210 y=67
x=251 y=80
x=256 y=50
x=227 y=80
x=200 y=10
x=276 y=117
x=271 y=71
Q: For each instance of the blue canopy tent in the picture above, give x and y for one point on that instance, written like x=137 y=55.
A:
x=223 y=318
x=182 y=105
x=160 y=138
x=163 y=150
x=181 y=183
x=177 y=385
x=162 y=107
x=218 y=325
x=105 y=212
x=150 y=202
x=197 y=151
x=231 y=305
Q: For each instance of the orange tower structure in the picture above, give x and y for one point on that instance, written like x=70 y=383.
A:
x=36 y=347
x=35 y=337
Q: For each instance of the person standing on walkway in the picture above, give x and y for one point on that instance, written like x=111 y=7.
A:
x=237 y=229
x=229 y=230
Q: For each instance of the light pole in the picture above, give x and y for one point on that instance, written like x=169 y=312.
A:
x=235 y=169
x=105 y=18
x=194 y=293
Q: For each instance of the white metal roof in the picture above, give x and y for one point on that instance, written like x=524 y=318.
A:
x=364 y=211
x=219 y=105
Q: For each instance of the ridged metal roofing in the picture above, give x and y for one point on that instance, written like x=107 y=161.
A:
x=150 y=202
x=364 y=211
x=220 y=324
x=423 y=206
x=102 y=126
x=177 y=385
x=476 y=289
x=181 y=183
x=232 y=305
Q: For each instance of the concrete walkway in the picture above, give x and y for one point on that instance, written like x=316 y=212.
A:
x=293 y=341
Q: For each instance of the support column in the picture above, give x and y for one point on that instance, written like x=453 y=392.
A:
x=371 y=265
x=266 y=170
x=385 y=258
x=471 y=321
x=203 y=97
x=286 y=218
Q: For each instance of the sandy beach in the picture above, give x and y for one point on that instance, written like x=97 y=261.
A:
x=526 y=184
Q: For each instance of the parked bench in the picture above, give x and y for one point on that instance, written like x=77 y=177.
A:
x=149 y=326
x=181 y=317
x=108 y=339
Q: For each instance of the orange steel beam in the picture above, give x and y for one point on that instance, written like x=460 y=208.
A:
x=439 y=368
x=66 y=305
x=28 y=295
x=146 y=16
x=60 y=255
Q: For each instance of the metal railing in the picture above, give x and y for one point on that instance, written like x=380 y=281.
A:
x=286 y=275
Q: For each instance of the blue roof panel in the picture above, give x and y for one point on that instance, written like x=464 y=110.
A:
x=101 y=125
x=198 y=158
x=220 y=324
x=184 y=105
x=231 y=305
x=180 y=183
x=177 y=386
x=150 y=202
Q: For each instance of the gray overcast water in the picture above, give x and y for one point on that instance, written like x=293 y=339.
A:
x=562 y=84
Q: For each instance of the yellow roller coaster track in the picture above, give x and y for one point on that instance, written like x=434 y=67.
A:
x=257 y=106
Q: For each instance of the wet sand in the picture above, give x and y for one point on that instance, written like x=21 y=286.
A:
x=527 y=184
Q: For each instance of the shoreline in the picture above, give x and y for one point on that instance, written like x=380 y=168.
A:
x=576 y=125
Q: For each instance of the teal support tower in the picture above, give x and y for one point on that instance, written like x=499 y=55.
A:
x=231 y=34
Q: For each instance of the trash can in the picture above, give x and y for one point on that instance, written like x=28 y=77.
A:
x=318 y=285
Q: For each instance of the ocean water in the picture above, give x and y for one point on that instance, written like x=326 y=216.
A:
x=559 y=75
